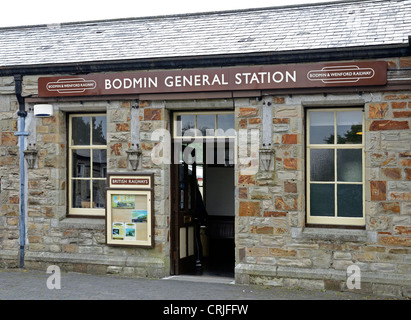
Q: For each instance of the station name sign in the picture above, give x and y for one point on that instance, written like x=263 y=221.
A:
x=217 y=79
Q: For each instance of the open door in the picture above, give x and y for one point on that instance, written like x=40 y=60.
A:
x=202 y=193
x=185 y=240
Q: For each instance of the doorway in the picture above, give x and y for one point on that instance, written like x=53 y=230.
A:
x=202 y=176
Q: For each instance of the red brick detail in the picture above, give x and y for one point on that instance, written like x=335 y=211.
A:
x=378 y=190
x=378 y=110
x=254 y=120
x=397 y=97
x=287 y=204
x=378 y=125
x=290 y=187
x=278 y=100
x=289 y=139
x=392 y=207
x=282 y=252
x=403 y=230
x=405 y=162
x=395 y=241
x=262 y=230
x=14 y=200
x=242 y=194
x=249 y=208
x=281 y=120
x=398 y=105
x=401 y=196
x=275 y=214
x=402 y=114
x=122 y=127
x=290 y=163
x=8 y=139
x=152 y=114
x=405 y=62
x=248 y=112
x=392 y=173
x=116 y=149
x=246 y=179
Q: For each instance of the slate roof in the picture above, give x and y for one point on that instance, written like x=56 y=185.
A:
x=322 y=26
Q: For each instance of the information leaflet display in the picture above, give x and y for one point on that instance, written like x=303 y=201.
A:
x=129 y=210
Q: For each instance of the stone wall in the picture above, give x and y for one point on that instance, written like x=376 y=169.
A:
x=73 y=243
x=9 y=173
x=275 y=247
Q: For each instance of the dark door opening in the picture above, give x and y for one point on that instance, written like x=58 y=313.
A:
x=203 y=246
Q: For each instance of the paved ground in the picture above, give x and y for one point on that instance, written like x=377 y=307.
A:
x=21 y=284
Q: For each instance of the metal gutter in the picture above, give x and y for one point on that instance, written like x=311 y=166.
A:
x=224 y=60
x=18 y=79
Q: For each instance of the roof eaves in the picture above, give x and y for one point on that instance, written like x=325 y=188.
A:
x=223 y=60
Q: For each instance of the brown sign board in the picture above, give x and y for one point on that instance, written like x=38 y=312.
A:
x=129 y=181
x=318 y=75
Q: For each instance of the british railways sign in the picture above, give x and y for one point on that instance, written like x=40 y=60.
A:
x=218 y=79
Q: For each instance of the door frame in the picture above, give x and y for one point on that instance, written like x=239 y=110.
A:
x=176 y=265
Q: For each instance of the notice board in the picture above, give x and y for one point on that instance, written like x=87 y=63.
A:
x=130 y=210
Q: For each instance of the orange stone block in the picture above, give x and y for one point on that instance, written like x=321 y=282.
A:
x=289 y=139
x=378 y=110
x=8 y=139
x=402 y=114
x=378 y=190
x=152 y=114
x=290 y=163
x=379 y=125
x=246 y=179
x=395 y=241
x=249 y=208
x=248 y=112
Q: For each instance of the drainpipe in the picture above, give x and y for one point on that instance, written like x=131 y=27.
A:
x=18 y=79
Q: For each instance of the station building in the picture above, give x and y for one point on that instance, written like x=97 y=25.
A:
x=291 y=125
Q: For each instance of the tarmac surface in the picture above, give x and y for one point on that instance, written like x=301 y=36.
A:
x=22 y=284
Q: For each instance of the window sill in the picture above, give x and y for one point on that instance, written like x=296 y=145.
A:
x=346 y=235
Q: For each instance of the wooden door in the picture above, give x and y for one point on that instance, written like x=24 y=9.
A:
x=183 y=185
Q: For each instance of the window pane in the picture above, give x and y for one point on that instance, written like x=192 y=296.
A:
x=99 y=196
x=322 y=165
x=349 y=200
x=187 y=125
x=322 y=200
x=81 y=194
x=322 y=127
x=81 y=163
x=204 y=122
x=349 y=127
x=225 y=125
x=349 y=165
x=80 y=131
x=99 y=163
x=99 y=130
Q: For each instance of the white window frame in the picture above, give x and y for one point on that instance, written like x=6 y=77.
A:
x=94 y=212
x=322 y=220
